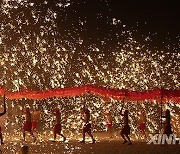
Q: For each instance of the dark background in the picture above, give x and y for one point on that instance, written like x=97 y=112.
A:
x=146 y=18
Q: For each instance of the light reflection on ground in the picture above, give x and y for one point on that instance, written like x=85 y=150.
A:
x=102 y=146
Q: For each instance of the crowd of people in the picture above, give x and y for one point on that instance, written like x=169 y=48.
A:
x=32 y=118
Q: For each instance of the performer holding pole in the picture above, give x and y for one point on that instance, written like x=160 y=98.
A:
x=125 y=132
x=142 y=123
x=28 y=124
x=167 y=124
x=1 y=114
x=87 y=125
x=35 y=119
x=57 y=127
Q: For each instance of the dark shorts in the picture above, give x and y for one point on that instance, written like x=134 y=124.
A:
x=167 y=129
x=27 y=126
x=87 y=128
x=57 y=129
x=126 y=130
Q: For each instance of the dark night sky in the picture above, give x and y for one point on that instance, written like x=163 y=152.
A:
x=160 y=17
x=146 y=17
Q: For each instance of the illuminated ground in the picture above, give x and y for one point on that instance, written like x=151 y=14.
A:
x=103 y=146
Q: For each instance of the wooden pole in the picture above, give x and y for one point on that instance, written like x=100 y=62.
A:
x=161 y=111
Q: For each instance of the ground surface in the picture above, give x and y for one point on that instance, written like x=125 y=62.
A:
x=103 y=145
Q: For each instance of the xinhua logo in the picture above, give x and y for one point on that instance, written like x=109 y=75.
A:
x=164 y=139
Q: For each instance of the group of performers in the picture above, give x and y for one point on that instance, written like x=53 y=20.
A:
x=32 y=119
x=125 y=132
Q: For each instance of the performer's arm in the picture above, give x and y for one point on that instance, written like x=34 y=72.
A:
x=4 y=112
x=121 y=112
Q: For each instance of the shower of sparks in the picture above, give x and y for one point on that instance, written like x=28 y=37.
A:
x=38 y=52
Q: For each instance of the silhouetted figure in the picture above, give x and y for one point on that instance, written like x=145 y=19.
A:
x=57 y=127
x=35 y=119
x=142 y=123
x=167 y=124
x=1 y=114
x=28 y=124
x=125 y=132
x=87 y=125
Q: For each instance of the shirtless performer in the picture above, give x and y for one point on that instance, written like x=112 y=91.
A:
x=108 y=122
x=1 y=114
x=87 y=125
x=125 y=132
x=142 y=123
x=167 y=124
x=57 y=127
x=28 y=124
x=36 y=117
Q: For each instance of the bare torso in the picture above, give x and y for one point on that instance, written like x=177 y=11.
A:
x=36 y=116
x=142 y=118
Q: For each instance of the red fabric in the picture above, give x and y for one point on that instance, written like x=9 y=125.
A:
x=160 y=95
x=2 y=91
x=57 y=129
x=27 y=126
x=142 y=126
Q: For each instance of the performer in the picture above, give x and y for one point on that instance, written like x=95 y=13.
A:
x=87 y=125
x=108 y=117
x=142 y=123
x=167 y=124
x=36 y=117
x=125 y=132
x=28 y=124
x=1 y=114
x=57 y=127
